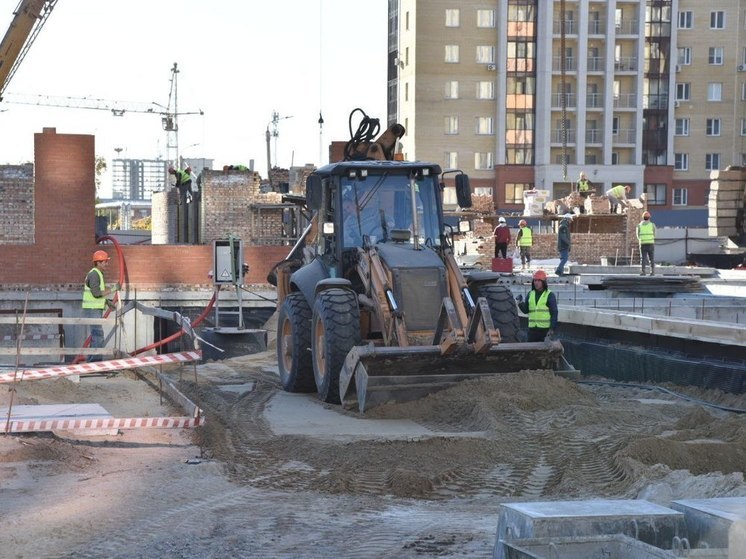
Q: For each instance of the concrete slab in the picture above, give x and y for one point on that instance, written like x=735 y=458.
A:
x=716 y=523
x=638 y=519
x=304 y=414
x=608 y=547
x=237 y=388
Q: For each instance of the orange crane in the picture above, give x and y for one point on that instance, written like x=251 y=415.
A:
x=28 y=19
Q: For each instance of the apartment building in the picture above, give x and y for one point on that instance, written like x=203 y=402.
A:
x=525 y=94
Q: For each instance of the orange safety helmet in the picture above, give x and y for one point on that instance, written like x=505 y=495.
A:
x=522 y=223
x=540 y=275
x=100 y=256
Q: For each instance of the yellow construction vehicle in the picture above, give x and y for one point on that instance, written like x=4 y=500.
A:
x=372 y=304
x=28 y=19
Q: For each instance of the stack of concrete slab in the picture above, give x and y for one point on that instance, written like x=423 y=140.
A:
x=596 y=205
x=726 y=199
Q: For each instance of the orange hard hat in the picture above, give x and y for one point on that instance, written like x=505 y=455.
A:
x=522 y=223
x=100 y=256
x=540 y=275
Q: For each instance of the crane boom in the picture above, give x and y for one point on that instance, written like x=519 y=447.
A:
x=28 y=19
x=117 y=108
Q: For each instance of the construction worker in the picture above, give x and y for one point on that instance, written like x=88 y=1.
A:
x=235 y=168
x=618 y=195
x=502 y=238
x=524 y=241
x=541 y=307
x=584 y=188
x=94 y=299
x=564 y=242
x=183 y=181
x=646 y=236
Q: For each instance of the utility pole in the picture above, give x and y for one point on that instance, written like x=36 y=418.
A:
x=276 y=118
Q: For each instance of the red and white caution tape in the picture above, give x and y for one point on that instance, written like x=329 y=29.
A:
x=101 y=366
x=36 y=425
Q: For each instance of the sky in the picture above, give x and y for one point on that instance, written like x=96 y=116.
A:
x=239 y=61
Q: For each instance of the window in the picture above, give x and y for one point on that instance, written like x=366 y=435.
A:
x=714 y=91
x=743 y=127
x=713 y=127
x=656 y=194
x=712 y=161
x=686 y=20
x=453 y=17
x=485 y=90
x=679 y=197
x=451 y=90
x=406 y=21
x=681 y=127
x=485 y=54
x=685 y=56
x=452 y=54
x=615 y=158
x=743 y=91
x=715 y=56
x=615 y=126
x=519 y=156
x=483 y=160
x=681 y=161
x=406 y=91
x=451 y=160
x=514 y=192
x=717 y=20
x=484 y=125
x=682 y=91
x=485 y=18
x=451 y=125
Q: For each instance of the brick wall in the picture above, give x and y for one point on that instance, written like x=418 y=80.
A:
x=17 y=207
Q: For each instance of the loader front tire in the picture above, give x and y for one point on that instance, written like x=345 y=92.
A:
x=503 y=309
x=294 y=344
x=335 y=329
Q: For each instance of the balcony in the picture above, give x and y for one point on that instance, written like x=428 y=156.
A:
x=625 y=64
x=594 y=136
x=624 y=136
x=596 y=27
x=657 y=102
x=570 y=100
x=625 y=101
x=571 y=27
x=627 y=27
x=556 y=136
x=596 y=63
x=571 y=64
x=594 y=101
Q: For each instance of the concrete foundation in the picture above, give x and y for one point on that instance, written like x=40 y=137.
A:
x=716 y=523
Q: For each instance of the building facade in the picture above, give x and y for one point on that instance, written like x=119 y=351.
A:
x=137 y=179
x=526 y=94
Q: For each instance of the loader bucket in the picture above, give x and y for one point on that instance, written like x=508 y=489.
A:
x=373 y=375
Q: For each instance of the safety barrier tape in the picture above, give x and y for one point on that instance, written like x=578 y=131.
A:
x=30 y=337
x=101 y=366
x=35 y=425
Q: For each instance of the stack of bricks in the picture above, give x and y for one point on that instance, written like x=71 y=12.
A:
x=17 y=207
x=482 y=204
x=596 y=205
x=726 y=200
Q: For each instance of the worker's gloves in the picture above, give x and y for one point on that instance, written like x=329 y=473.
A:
x=519 y=299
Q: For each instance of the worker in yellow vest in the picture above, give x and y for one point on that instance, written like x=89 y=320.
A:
x=524 y=241
x=541 y=307
x=646 y=236
x=618 y=196
x=94 y=299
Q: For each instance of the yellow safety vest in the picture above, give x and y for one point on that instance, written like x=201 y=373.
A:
x=90 y=301
x=646 y=232
x=583 y=185
x=618 y=191
x=526 y=239
x=538 y=311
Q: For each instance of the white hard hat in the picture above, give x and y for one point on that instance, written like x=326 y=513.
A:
x=501 y=220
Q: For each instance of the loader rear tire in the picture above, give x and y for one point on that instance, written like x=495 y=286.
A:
x=294 y=344
x=335 y=329
x=503 y=309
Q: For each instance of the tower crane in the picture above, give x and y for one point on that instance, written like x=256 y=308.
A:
x=169 y=114
x=28 y=19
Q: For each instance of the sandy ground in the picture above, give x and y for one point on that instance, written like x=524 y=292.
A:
x=279 y=475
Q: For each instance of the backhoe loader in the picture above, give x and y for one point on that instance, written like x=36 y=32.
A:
x=372 y=304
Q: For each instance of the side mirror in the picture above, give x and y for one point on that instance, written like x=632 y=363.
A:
x=314 y=189
x=463 y=191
